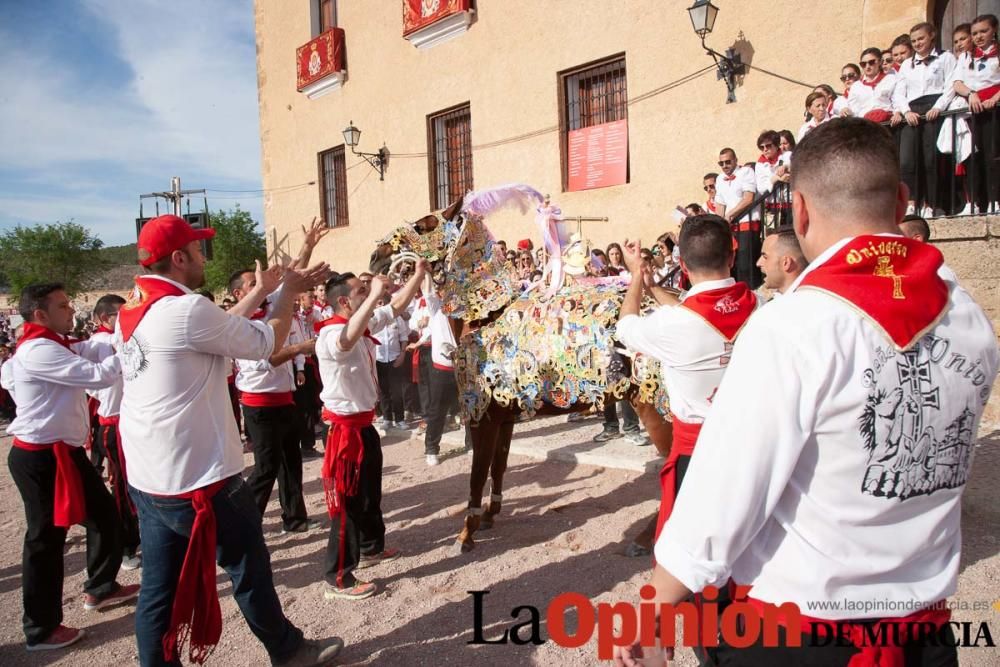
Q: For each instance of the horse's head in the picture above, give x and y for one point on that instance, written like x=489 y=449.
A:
x=472 y=280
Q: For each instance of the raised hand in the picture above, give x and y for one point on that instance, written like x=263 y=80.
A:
x=299 y=280
x=380 y=285
x=267 y=279
x=316 y=231
x=632 y=255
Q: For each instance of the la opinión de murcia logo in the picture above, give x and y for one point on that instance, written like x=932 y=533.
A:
x=739 y=625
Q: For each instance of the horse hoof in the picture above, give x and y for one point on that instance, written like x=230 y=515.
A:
x=461 y=547
x=634 y=550
x=487 y=522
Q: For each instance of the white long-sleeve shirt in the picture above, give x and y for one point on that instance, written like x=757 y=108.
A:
x=258 y=376
x=109 y=399
x=350 y=380
x=865 y=98
x=919 y=77
x=843 y=460
x=177 y=425
x=48 y=383
x=977 y=73
x=393 y=339
x=442 y=336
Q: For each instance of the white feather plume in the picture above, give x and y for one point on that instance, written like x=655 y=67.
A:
x=484 y=202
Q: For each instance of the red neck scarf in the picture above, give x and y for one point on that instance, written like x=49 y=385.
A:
x=339 y=319
x=261 y=312
x=103 y=329
x=150 y=290
x=196 y=613
x=32 y=331
x=762 y=159
x=710 y=205
x=893 y=281
x=988 y=53
x=874 y=82
x=725 y=309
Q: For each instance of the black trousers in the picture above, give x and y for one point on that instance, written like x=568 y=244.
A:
x=918 y=148
x=424 y=366
x=984 y=164
x=307 y=402
x=97 y=454
x=411 y=394
x=276 y=457
x=107 y=437
x=827 y=653
x=443 y=401
x=34 y=473
x=390 y=388
x=360 y=528
x=745 y=268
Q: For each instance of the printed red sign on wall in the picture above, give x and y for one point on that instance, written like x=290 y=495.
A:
x=419 y=14
x=320 y=57
x=598 y=156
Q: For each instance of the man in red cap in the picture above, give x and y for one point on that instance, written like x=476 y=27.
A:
x=47 y=379
x=184 y=455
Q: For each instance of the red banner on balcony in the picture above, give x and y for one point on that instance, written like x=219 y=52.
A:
x=598 y=156
x=321 y=57
x=419 y=14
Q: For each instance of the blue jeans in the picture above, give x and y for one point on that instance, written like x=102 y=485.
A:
x=165 y=525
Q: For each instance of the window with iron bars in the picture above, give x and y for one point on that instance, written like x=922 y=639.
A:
x=591 y=95
x=327 y=14
x=450 y=155
x=333 y=187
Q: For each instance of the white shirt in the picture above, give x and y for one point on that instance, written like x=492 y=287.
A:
x=693 y=356
x=442 y=335
x=864 y=98
x=763 y=171
x=729 y=190
x=110 y=399
x=177 y=425
x=786 y=438
x=393 y=338
x=967 y=71
x=809 y=125
x=350 y=381
x=919 y=77
x=48 y=383
x=258 y=376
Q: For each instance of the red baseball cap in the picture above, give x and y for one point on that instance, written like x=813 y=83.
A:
x=164 y=234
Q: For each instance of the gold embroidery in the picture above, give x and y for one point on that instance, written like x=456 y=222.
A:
x=884 y=269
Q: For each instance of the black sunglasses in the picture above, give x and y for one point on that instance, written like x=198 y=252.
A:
x=764 y=147
x=709 y=187
x=723 y=163
x=870 y=63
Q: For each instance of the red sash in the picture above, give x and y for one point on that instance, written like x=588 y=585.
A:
x=267 y=400
x=685 y=437
x=860 y=633
x=69 y=507
x=725 y=309
x=891 y=280
x=196 y=613
x=878 y=115
x=150 y=291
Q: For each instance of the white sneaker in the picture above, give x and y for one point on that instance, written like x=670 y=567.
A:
x=401 y=426
x=131 y=562
x=911 y=209
x=967 y=210
x=432 y=460
x=926 y=212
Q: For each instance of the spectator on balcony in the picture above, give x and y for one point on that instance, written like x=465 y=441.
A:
x=961 y=39
x=693 y=209
x=616 y=260
x=888 y=64
x=817 y=106
x=708 y=184
x=787 y=142
x=735 y=192
x=922 y=90
x=977 y=78
x=871 y=96
x=902 y=50
x=834 y=103
x=849 y=75
x=772 y=173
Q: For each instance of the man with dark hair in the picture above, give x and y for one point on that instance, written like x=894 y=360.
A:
x=735 y=191
x=691 y=336
x=47 y=378
x=184 y=455
x=108 y=407
x=915 y=227
x=352 y=463
x=781 y=259
x=708 y=185
x=842 y=432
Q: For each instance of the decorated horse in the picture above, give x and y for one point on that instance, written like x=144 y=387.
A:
x=547 y=349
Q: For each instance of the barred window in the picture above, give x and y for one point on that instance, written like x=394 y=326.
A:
x=450 y=136
x=327 y=15
x=333 y=187
x=593 y=94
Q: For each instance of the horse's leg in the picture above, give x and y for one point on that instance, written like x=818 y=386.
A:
x=499 y=466
x=483 y=443
x=661 y=432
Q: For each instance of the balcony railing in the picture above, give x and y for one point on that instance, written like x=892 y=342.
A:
x=320 y=63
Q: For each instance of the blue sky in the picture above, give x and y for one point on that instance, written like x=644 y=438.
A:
x=103 y=100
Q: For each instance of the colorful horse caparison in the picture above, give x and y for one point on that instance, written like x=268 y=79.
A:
x=517 y=354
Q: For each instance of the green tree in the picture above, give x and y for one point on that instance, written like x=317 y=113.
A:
x=61 y=252
x=237 y=243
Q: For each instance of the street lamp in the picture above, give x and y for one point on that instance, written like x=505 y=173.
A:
x=378 y=161
x=729 y=64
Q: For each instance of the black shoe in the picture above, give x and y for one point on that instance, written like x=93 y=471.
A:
x=313 y=652
x=607 y=434
x=311 y=524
